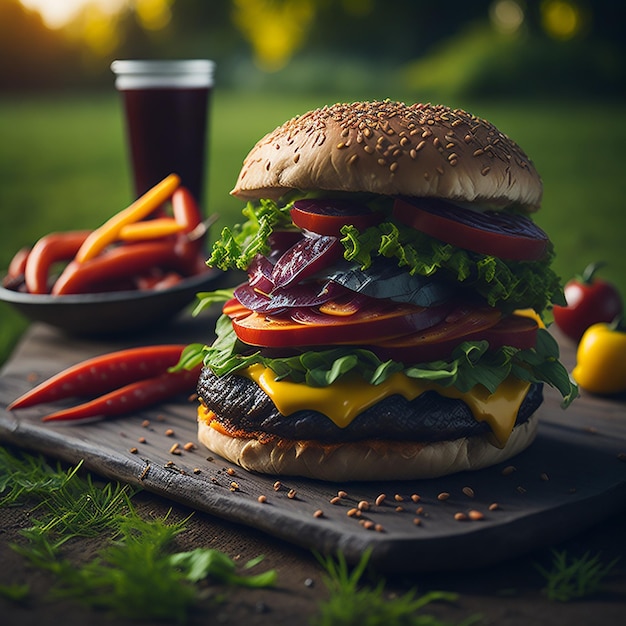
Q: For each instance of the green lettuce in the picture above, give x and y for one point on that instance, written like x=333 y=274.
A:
x=471 y=363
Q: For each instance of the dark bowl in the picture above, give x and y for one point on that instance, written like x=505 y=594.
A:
x=112 y=313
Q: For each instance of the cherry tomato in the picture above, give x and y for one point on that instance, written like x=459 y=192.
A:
x=495 y=233
x=590 y=300
x=464 y=324
x=311 y=328
x=327 y=216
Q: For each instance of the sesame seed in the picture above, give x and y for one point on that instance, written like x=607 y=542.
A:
x=368 y=149
x=169 y=432
x=468 y=491
x=544 y=476
x=382 y=162
x=341 y=145
x=444 y=495
x=393 y=167
x=291 y=494
x=494 y=506
x=175 y=449
x=296 y=157
x=380 y=499
x=460 y=517
x=262 y=499
x=485 y=171
x=436 y=142
x=189 y=446
x=277 y=485
x=354 y=512
x=417 y=521
x=450 y=145
x=133 y=451
x=342 y=494
x=478 y=152
x=440 y=170
x=335 y=500
x=379 y=528
x=318 y=513
x=475 y=515
x=420 y=145
x=399 y=509
x=508 y=470
x=363 y=505
x=353 y=159
x=398 y=498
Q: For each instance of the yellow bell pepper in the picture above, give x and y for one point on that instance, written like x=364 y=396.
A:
x=601 y=359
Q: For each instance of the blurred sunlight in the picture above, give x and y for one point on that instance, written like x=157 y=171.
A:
x=58 y=13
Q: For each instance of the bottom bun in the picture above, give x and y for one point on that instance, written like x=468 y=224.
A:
x=365 y=460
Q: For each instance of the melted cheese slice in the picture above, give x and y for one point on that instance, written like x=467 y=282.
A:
x=342 y=401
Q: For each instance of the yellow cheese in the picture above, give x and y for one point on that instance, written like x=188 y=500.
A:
x=342 y=401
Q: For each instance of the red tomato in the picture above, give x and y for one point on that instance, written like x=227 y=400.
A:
x=495 y=233
x=438 y=342
x=590 y=300
x=327 y=216
x=310 y=328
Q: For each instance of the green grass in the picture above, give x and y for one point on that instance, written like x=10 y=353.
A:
x=63 y=165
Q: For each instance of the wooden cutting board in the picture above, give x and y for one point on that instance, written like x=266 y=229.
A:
x=572 y=477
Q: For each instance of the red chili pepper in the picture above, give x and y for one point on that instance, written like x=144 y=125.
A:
x=15 y=273
x=124 y=260
x=185 y=209
x=102 y=373
x=48 y=250
x=133 y=397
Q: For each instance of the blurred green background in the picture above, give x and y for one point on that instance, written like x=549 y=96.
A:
x=550 y=74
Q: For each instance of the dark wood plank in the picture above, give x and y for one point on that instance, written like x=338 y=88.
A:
x=572 y=477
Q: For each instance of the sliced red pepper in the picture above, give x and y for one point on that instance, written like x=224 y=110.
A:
x=102 y=373
x=123 y=261
x=15 y=273
x=48 y=250
x=185 y=209
x=132 y=397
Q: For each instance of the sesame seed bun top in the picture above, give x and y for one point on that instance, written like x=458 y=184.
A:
x=391 y=148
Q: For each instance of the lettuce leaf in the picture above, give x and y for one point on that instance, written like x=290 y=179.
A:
x=507 y=284
x=237 y=247
x=471 y=363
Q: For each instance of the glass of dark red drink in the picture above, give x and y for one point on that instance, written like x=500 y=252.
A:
x=166 y=105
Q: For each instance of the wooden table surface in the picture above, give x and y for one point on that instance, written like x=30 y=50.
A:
x=569 y=486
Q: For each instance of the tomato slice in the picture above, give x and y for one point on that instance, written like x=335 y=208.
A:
x=312 y=328
x=327 y=216
x=495 y=233
x=463 y=324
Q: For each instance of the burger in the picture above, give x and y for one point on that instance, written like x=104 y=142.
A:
x=389 y=321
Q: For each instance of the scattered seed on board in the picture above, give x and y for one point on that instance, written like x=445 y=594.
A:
x=444 y=495
x=380 y=499
x=417 y=521
x=262 y=499
x=175 y=449
x=189 y=446
x=230 y=471
x=318 y=513
x=169 y=432
x=141 y=440
x=277 y=485
x=133 y=451
x=398 y=498
x=342 y=494
x=475 y=515
x=508 y=470
x=460 y=517
x=145 y=423
x=363 y=505
x=197 y=470
x=468 y=491
x=494 y=506
x=415 y=498
x=544 y=477
x=335 y=500
x=291 y=494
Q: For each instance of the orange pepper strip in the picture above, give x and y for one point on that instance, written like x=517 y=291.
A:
x=150 y=229
x=100 y=238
